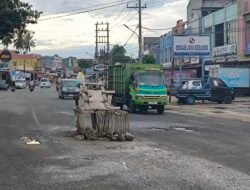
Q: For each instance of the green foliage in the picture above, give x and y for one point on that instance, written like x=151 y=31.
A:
x=6 y=41
x=15 y=15
x=24 y=41
x=149 y=59
x=118 y=55
x=84 y=64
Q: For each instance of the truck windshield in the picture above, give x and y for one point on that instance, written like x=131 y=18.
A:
x=152 y=79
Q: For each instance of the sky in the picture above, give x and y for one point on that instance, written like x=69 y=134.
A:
x=75 y=35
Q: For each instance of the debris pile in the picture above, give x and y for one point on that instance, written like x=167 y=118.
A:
x=106 y=120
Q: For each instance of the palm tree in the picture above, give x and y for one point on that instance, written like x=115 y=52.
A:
x=28 y=41
x=24 y=42
x=6 y=41
x=19 y=42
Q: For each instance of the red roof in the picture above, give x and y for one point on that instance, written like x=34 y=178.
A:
x=15 y=55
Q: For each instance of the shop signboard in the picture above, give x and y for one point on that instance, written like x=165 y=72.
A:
x=235 y=77
x=225 y=50
x=192 y=46
x=100 y=67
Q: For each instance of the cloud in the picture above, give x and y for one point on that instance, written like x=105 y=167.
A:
x=69 y=34
x=79 y=51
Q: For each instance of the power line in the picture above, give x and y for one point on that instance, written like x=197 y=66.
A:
x=151 y=30
x=120 y=14
x=169 y=28
x=128 y=19
x=119 y=22
x=130 y=36
x=74 y=10
x=87 y=11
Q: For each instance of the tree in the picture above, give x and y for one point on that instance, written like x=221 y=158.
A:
x=19 y=42
x=84 y=63
x=15 y=15
x=118 y=55
x=6 y=41
x=149 y=59
x=23 y=41
x=28 y=41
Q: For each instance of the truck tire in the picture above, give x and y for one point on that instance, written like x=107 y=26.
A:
x=143 y=108
x=228 y=100
x=160 y=110
x=131 y=107
x=190 y=100
x=181 y=101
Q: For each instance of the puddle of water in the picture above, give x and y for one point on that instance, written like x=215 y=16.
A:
x=30 y=141
x=64 y=113
x=183 y=129
x=159 y=129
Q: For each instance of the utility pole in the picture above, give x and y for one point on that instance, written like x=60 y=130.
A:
x=102 y=48
x=96 y=43
x=139 y=7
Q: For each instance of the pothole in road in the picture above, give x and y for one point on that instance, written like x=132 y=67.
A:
x=246 y=104
x=159 y=129
x=217 y=112
x=183 y=129
x=220 y=108
x=30 y=141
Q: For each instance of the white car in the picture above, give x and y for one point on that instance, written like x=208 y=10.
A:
x=45 y=83
x=20 y=83
x=192 y=84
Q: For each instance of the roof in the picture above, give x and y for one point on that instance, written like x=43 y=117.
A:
x=16 y=55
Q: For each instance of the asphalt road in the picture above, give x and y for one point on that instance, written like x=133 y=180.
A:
x=171 y=151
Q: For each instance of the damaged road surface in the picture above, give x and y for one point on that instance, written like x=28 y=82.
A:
x=171 y=151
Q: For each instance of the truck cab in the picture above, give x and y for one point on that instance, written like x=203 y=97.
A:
x=147 y=89
x=139 y=86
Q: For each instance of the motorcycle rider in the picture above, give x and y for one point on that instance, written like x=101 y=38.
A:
x=31 y=85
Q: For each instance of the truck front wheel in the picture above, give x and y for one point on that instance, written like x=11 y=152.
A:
x=131 y=107
x=160 y=109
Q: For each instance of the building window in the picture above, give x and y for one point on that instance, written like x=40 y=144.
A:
x=219 y=35
x=231 y=32
x=247 y=32
x=166 y=55
x=246 y=6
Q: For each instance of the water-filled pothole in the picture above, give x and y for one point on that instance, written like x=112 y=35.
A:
x=30 y=141
x=183 y=129
x=159 y=129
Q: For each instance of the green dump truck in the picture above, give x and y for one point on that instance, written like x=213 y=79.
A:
x=139 y=86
